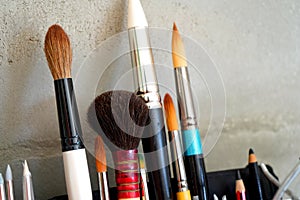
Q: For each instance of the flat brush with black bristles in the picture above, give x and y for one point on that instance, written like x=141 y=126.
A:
x=122 y=116
x=59 y=56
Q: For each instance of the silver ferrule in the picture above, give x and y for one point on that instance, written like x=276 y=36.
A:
x=179 y=164
x=103 y=186
x=27 y=188
x=144 y=179
x=2 y=192
x=142 y=61
x=188 y=116
x=10 y=190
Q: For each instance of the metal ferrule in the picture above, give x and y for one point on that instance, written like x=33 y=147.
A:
x=179 y=164
x=2 y=192
x=144 y=179
x=27 y=188
x=9 y=188
x=142 y=61
x=186 y=104
x=103 y=186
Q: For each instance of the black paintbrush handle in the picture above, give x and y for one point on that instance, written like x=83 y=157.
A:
x=196 y=176
x=156 y=155
x=255 y=189
x=69 y=124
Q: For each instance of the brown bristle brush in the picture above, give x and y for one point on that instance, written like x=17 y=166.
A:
x=59 y=56
x=122 y=116
x=101 y=168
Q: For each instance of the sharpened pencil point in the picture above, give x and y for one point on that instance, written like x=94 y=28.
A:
x=8 y=175
x=251 y=151
x=252 y=156
x=26 y=171
x=238 y=175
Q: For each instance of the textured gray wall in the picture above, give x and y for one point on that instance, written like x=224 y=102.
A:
x=255 y=45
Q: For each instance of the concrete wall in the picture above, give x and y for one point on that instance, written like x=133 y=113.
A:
x=255 y=45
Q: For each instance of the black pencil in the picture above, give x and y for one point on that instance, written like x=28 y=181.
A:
x=255 y=190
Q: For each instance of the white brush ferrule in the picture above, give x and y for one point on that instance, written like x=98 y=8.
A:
x=77 y=175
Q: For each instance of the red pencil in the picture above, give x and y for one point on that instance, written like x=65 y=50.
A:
x=240 y=188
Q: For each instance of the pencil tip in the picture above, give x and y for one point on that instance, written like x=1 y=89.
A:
x=251 y=151
x=238 y=175
x=8 y=175
x=26 y=171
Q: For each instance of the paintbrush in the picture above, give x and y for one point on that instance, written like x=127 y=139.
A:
x=154 y=138
x=9 y=183
x=194 y=160
x=122 y=116
x=2 y=190
x=59 y=56
x=28 y=193
x=172 y=124
x=143 y=179
x=101 y=167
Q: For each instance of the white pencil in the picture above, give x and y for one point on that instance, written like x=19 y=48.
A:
x=27 y=183
x=9 y=183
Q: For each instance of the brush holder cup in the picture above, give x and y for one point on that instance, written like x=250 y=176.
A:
x=220 y=183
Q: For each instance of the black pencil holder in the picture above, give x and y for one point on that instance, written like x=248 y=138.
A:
x=220 y=183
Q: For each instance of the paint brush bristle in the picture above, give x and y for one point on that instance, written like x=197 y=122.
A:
x=122 y=116
x=170 y=113
x=100 y=155
x=178 y=51
x=58 y=52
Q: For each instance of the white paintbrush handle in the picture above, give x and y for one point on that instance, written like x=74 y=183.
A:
x=77 y=175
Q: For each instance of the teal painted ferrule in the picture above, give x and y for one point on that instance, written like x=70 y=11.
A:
x=192 y=142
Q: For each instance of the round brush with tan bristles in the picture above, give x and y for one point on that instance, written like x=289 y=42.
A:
x=173 y=128
x=101 y=168
x=122 y=116
x=59 y=56
x=193 y=154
